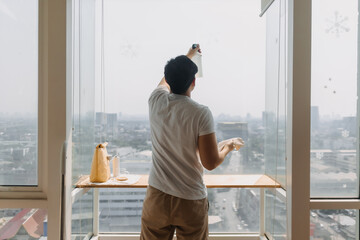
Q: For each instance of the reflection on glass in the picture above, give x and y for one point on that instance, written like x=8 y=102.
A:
x=275 y=214
x=19 y=92
x=83 y=137
x=120 y=209
x=275 y=113
x=83 y=132
x=334 y=131
x=275 y=119
x=333 y=224
x=82 y=216
x=25 y=223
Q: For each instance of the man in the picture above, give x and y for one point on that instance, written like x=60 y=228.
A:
x=184 y=141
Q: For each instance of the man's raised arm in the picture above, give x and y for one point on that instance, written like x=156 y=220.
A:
x=164 y=83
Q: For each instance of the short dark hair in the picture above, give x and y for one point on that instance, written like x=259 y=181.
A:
x=180 y=73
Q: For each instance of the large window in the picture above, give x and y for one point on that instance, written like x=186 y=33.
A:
x=334 y=157
x=83 y=112
x=248 y=85
x=334 y=115
x=19 y=92
x=275 y=118
x=132 y=41
x=137 y=44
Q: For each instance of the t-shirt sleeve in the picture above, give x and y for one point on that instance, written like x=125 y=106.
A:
x=157 y=93
x=160 y=90
x=206 y=125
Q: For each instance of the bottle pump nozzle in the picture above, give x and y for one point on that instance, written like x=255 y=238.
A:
x=197 y=59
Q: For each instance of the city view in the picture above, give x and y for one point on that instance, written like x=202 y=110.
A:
x=333 y=163
x=117 y=65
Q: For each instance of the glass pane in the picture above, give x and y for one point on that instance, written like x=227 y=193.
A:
x=275 y=118
x=25 y=223
x=135 y=53
x=82 y=216
x=83 y=131
x=121 y=90
x=334 y=117
x=120 y=209
x=334 y=224
x=234 y=210
x=19 y=92
x=231 y=210
x=83 y=88
x=275 y=113
x=275 y=213
x=229 y=56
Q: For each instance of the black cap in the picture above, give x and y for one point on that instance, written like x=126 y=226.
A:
x=180 y=73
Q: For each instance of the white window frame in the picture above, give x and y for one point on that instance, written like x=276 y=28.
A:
x=345 y=203
x=299 y=205
x=52 y=130
x=38 y=191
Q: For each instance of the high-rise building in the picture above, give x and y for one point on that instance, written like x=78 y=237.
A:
x=100 y=118
x=228 y=130
x=350 y=125
x=315 y=117
x=111 y=119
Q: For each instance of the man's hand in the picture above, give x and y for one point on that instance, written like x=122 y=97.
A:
x=210 y=156
x=192 y=51
x=237 y=143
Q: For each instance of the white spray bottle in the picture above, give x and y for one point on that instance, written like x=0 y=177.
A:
x=197 y=59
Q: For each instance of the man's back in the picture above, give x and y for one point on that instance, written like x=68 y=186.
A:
x=184 y=141
x=176 y=123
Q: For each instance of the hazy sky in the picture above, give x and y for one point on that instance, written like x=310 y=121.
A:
x=334 y=56
x=18 y=56
x=140 y=36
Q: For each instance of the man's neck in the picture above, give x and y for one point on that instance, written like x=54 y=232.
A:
x=188 y=94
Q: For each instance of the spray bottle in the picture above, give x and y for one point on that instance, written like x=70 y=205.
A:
x=197 y=60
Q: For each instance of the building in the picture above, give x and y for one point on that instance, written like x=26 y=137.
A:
x=227 y=130
x=315 y=117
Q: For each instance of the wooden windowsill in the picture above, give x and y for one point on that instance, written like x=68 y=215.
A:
x=211 y=181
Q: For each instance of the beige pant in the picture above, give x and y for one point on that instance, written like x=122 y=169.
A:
x=163 y=214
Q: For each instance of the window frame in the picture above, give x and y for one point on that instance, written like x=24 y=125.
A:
x=52 y=128
x=334 y=203
x=36 y=191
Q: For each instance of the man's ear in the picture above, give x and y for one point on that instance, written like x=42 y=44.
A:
x=193 y=82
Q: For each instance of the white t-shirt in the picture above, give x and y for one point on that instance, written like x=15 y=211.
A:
x=176 y=122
